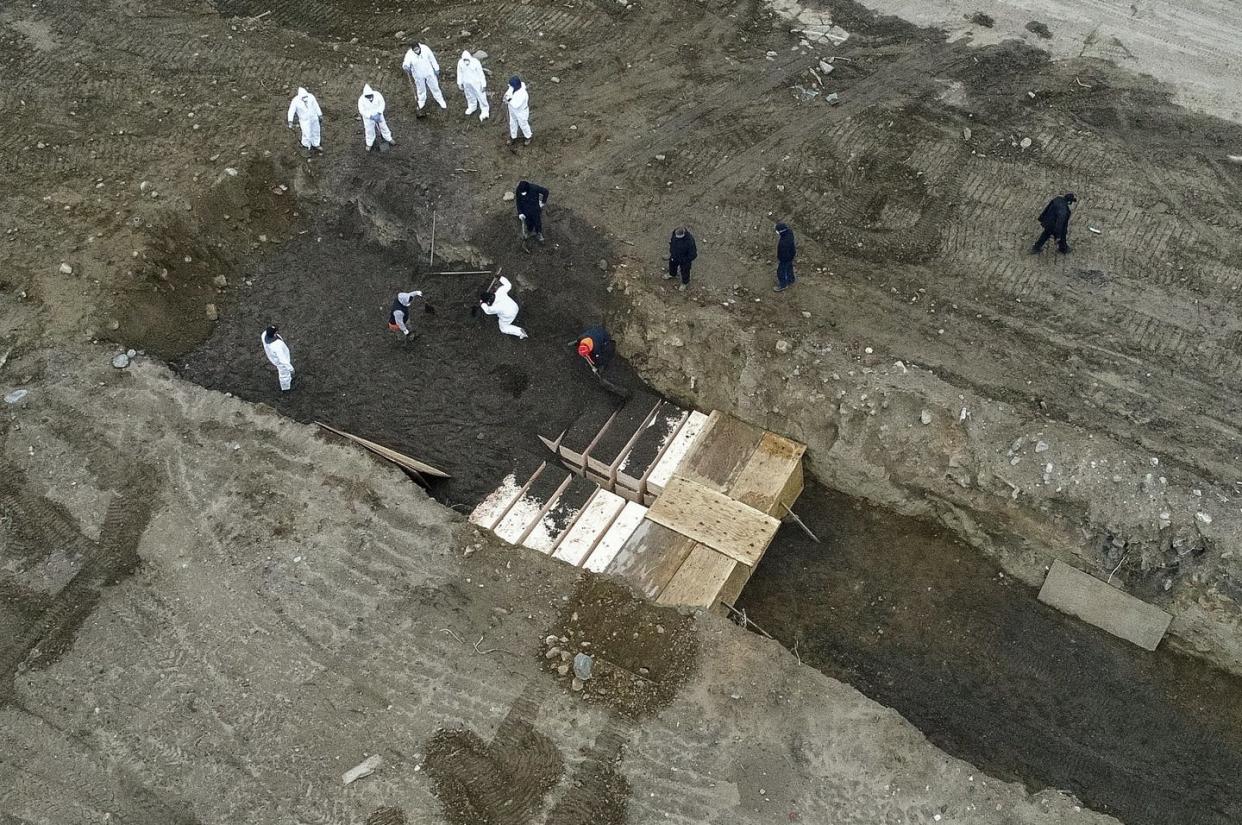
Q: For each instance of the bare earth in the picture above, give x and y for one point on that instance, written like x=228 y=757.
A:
x=208 y=613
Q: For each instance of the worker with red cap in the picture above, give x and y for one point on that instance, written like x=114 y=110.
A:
x=597 y=347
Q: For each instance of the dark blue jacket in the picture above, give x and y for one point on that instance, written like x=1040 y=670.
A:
x=786 y=247
x=682 y=250
x=527 y=196
x=1056 y=217
x=603 y=345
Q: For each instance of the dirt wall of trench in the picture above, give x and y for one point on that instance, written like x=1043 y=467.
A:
x=1022 y=488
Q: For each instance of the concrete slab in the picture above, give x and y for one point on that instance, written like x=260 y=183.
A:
x=1096 y=602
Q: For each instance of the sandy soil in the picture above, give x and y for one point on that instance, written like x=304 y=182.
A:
x=251 y=637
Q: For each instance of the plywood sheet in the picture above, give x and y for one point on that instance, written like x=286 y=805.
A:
x=765 y=478
x=1096 y=602
x=721 y=452
x=731 y=527
x=698 y=582
x=590 y=527
x=618 y=533
x=680 y=446
x=650 y=557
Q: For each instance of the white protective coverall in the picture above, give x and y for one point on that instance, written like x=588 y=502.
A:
x=472 y=82
x=278 y=353
x=306 y=108
x=372 y=112
x=518 y=102
x=505 y=309
x=423 y=68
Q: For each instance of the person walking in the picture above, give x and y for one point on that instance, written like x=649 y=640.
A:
x=786 y=251
x=424 y=72
x=1055 y=220
x=681 y=254
x=399 y=313
x=596 y=346
x=530 y=198
x=371 y=107
x=310 y=118
x=518 y=101
x=498 y=302
x=473 y=84
x=277 y=352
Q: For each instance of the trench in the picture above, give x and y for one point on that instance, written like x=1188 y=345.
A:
x=898 y=608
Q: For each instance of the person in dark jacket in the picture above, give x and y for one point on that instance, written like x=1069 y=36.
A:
x=597 y=347
x=681 y=254
x=1055 y=220
x=530 y=198
x=786 y=251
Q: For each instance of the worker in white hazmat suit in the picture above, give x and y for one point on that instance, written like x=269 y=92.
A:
x=306 y=108
x=473 y=83
x=424 y=72
x=505 y=309
x=518 y=101
x=278 y=353
x=371 y=107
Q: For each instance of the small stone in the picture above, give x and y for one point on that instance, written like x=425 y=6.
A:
x=966 y=133
x=868 y=350
x=576 y=684
x=1016 y=445
x=1116 y=479
x=806 y=314
x=603 y=264
x=144 y=186
x=550 y=640
x=553 y=653
x=659 y=157
x=1041 y=446
x=1026 y=143
x=926 y=417
x=120 y=361
x=782 y=345
x=566 y=656
x=1203 y=517
x=582 y=666
x=826 y=67
x=480 y=55
x=65 y=269
x=554 y=79
x=230 y=171
x=562 y=669
x=114 y=325
x=131 y=352
x=16 y=396
x=213 y=314
x=509 y=196
x=263 y=239
x=220 y=281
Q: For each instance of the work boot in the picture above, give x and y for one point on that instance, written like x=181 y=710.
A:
x=526 y=142
x=1035 y=250
x=668 y=277
x=420 y=114
x=539 y=237
x=779 y=288
x=318 y=150
x=681 y=287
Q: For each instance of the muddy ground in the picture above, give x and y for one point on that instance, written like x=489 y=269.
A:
x=154 y=189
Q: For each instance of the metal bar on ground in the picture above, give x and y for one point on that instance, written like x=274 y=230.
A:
x=800 y=523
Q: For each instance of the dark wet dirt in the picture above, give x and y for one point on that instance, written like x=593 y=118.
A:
x=921 y=623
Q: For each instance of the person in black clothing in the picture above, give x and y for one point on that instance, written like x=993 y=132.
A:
x=597 y=347
x=786 y=251
x=530 y=198
x=681 y=254
x=1055 y=220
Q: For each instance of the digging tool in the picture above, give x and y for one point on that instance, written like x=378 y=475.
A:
x=475 y=310
x=463 y=272
x=432 y=261
x=800 y=523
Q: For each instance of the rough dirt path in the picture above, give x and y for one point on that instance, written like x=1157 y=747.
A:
x=919 y=622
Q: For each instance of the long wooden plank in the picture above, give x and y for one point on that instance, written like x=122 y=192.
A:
x=679 y=447
x=390 y=454
x=1096 y=602
x=559 y=515
x=699 y=580
x=618 y=533
x=731 y=527
x=592 y=523
x=721 y=452
x=488 y=512
x=527 y=510
x=650 y=557
x=765 y=478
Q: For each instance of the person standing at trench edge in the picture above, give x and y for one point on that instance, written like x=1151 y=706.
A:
x=786 y=251
x=1055 y=220
x=681 y=254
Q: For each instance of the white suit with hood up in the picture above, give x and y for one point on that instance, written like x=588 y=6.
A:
x=472 y=82
x=277 y=352
x=518 y=101
x=306 y=108
x=422 y=67
x=372 y=112
x=505 y=309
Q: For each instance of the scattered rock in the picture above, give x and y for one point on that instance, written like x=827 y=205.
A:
x=554 y=79
x=603 y=264
x=582 y=666
x=966 y=133
x=220 y=281
x=480 y=55
x=826 y=67
x=926 y=417
x=660 y=157
x=213 y=314
x=114 y=325
x=1203 y=517
x=576 y=684
x=553 y=653
x=144 y=186
x=131 y=352
x=508 y=196
x=364 y=768
x=230 y=171
x=120 y=361
x=832 y=99
x=562 y=669
x=65 y=269
x=806 y=314
x=1041 y=446
x=782 y=345
x=550 y=640
x=16 y=396
x=1025 y=143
